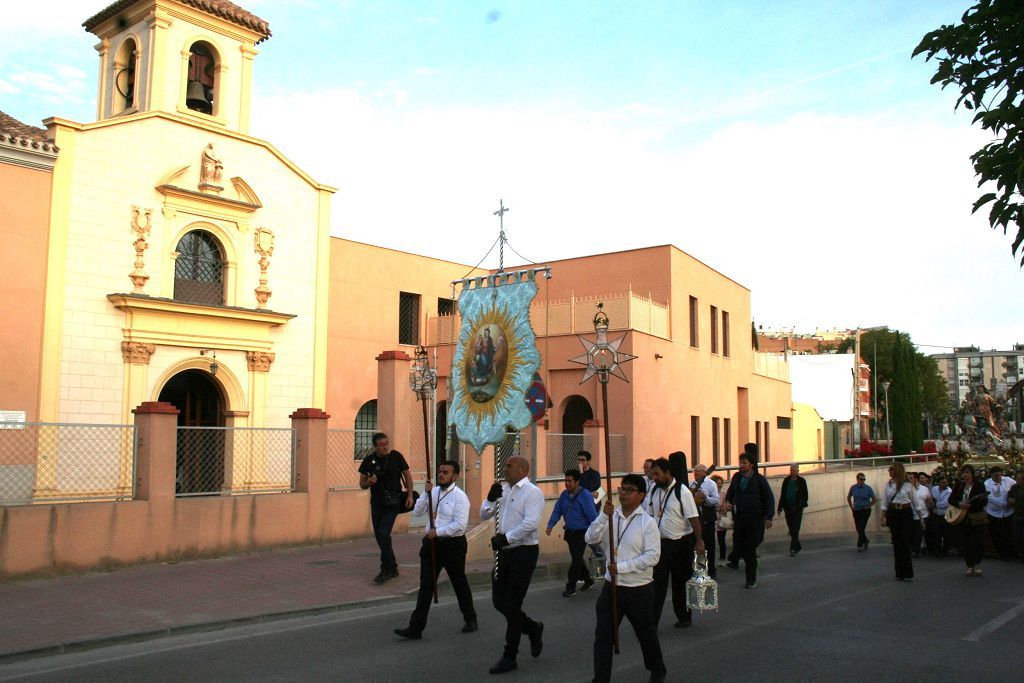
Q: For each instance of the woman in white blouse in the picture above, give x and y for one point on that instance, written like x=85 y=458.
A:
x=899 y=500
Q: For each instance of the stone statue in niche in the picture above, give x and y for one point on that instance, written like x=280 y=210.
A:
x=210 y=171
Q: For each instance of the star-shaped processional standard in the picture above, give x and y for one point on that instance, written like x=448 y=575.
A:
x=602 y=358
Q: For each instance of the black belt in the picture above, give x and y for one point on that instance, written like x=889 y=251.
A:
x=900 y=506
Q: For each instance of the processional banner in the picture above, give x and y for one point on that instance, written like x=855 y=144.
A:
x=495 y=358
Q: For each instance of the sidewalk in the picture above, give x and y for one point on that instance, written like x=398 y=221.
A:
x=41 y=617
x=51 y=615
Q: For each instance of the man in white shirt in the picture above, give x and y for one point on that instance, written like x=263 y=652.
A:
x=672 y=507
x=924 y=494
x=637 y=547
x=704 y=488
x=519 y=506
x=447 y=533
x=999 y=512
x=938 y=527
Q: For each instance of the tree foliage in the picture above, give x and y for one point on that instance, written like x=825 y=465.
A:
x=905 y=398
x=876 y=348
x=984 y=58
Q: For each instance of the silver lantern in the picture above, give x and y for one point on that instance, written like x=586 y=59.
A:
x=701 y=589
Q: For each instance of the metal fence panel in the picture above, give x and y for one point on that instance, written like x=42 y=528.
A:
x=214 y=460
x=562 y=450
x=345 y=450
x=61 y=462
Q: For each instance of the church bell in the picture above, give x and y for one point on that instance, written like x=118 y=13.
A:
x=195 y=98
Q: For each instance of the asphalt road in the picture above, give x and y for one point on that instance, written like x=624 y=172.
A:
x=828 y=615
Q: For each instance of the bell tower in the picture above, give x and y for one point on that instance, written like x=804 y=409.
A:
x=188 y=57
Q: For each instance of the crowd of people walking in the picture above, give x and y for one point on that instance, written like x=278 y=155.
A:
x=662 y=523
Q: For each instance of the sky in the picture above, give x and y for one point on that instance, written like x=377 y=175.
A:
x=794 y=146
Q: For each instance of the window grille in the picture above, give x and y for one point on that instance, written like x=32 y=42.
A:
x=694 y=440
x=408 y=318
x=199 y=270
x=694 y=337
x=714 y=329
x=445 y=307
x=784 y=422
x=365 y=428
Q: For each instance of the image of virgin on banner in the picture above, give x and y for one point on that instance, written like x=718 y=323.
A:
x=494 y=362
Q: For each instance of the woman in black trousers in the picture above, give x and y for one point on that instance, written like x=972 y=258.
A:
x=898 y=503
x=971 y=495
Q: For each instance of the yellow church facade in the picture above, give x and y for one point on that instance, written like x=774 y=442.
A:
x=177 y=241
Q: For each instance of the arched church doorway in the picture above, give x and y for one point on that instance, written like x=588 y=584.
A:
x=200 y=452
x=577 y=411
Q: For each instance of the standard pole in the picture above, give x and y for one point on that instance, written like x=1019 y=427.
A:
x=611 y=519
x=430 y=497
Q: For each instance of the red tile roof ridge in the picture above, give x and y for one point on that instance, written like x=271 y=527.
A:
x=220 y=8
x=13 y=131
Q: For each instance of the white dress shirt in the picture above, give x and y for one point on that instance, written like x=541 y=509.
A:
x=451 y=510
x=672 y=516
x=923 y=494
x=710 y=491
x=907 y=494
x=941 y=498
x=998 y=505
x=521 y=507
x=637 y=545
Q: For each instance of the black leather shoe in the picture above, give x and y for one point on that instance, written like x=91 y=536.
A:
x=408 y=633
x=504 y=665
x=394 y=573
x=658 y=676
x=537 y=640
x=568 y=593
x=683 y=623
x=469 y=627
x=732 y=565
x=382 y=577
x=587 y=584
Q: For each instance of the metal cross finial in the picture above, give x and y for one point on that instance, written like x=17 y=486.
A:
x=500 y=213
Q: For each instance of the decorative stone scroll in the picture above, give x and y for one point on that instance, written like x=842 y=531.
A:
x=259 y=361
x=141 y=230
x=263 y=240
x=137 y=352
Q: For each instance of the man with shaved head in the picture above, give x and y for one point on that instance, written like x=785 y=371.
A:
x=518 y=505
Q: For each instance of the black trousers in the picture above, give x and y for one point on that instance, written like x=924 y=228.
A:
x=1001 y=529
x=637 y=605
x=972 y=542
x=748 y=531
x=450 y=555
x=721 y=543
x=901 y=526
x=938 y=535
x=577 y=568
x=794 y=518
x=676 y=562
x=508 y=590
x=1018 y=532
x=383 y=520
x=860 y=521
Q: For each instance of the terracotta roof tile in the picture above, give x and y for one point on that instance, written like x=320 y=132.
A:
x=220 y=8
x=12 y=130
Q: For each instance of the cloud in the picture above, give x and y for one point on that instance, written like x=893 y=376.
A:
x=831 y=221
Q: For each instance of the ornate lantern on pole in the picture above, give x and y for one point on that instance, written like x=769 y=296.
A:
x=603 y=359
x=423 y=382
x=701 y=589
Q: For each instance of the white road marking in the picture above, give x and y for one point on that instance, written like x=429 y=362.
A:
x=1003 y=618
